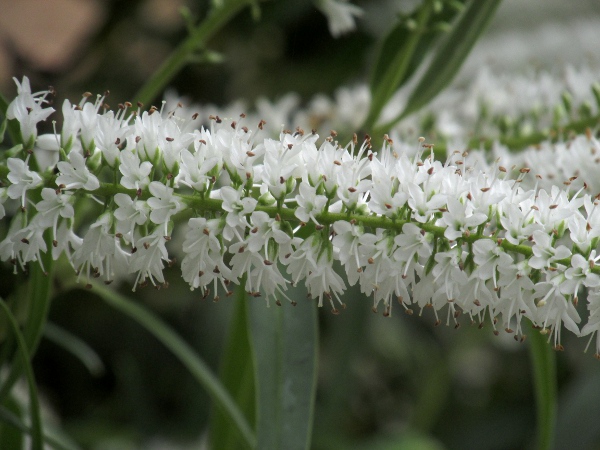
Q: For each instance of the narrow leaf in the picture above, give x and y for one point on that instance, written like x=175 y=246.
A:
x=237 y=376
x=450 y=55
x=285 y=347
x=37 y=442
x=76 y=346
x=186 y=355
x=394 y=61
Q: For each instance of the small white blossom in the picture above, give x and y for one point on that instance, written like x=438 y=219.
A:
x=75 y=175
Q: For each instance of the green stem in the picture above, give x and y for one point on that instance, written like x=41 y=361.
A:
x=188 y=357
x=37 y=440
x=198 y=37
x=543 y=360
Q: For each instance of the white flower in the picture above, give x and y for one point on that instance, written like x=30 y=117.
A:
x=163 y=205
x=238 y=206
x=340 y=15
x=65 y=241
x=53 y=206
x=100 y=253
x=203 y=263
x=460 y=218
x=129 y=214
x=135 y=173
x=27 y=109
x=24 y=244
x=75 y=175
x=148 y=260
x=22 y=179
x=545 y=252
x=309 y=203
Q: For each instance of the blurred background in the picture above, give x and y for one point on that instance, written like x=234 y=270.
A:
x=384 y=383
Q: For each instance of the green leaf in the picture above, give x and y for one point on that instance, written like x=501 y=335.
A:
x=543 y=362
x=396 y=60
x=38 y=298
x=12 y=126
x=449 y=56
x=11 y=420
x=285 y=347
x=37 y=441
x=237 y=376
x=77 y=347
x=186 y=355
x=11 y=426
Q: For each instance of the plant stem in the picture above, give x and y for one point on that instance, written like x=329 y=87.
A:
x=198 y=37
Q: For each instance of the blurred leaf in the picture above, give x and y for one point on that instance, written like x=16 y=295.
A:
x=237 y=376
x=450 y=55
x=395 y=44
x=11 y=425
x=38 y=302
x=396 y=60
x=37 y=442
x=12 y=126
x=285 y=348
x=77 y=347
x=185 y=353
x=10 y=416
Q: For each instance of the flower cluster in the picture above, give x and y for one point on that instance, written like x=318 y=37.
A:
x=459 y=238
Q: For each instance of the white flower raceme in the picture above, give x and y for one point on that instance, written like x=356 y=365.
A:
x=460 y=238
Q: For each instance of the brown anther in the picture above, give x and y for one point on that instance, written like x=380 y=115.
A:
x=250 y=154
x=409 y=312
x=477 y=302
x=248 y=175
x=267 y=262
x=206 y=231
x=337 y=163
x=261 y=124
x=371 y=261
x=169 y=139
x=277 y=217
x=281 y=180
x=335 y=312
x=457 y=326
x=146 y=245
x=351 y=189
x=202 y=141
x=254 y=230
x=485 y=189
x=277 y=302
x=430 y=171
x=524 y=170
x=437 y=323
x=469 y=196
x=553 y=206
x=241 y=249
x=195 y=116
x=388 y=206
x=333 y=133
x=319 y=227
x=25 y=241
x=509 y=330
x=502 y=168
